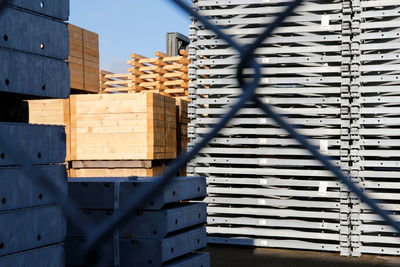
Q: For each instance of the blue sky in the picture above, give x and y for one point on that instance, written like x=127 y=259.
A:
x=128 y=26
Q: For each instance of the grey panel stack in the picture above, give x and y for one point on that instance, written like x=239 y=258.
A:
x=29 y=215
x=167 y=231
x=33 y=50
x=264 y=189
x=375 y=126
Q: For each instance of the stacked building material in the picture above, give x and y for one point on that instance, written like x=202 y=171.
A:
x=182 y=123
x=375 y=128
x=264 y=189
x=167 y=231
x=84 y=60
x=118 y=82
x=33 y=226
x=163 y=74
x=113 y=135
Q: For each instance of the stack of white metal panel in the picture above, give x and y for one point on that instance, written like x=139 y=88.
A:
x=264 y=189
x=375 y=122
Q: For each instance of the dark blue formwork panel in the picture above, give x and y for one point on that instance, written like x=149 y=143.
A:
x=31 y=228
x=43 y=144
x=193 y=260
x=35 y=34
x=143 y=252
x=58 y=9
x=32 y=75
x=19 y=191
x=53 y=256
x=151 y=224
x=178 y=189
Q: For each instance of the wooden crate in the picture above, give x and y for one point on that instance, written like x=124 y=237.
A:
x=53 y=112
x=122 y=127
x=84 y=59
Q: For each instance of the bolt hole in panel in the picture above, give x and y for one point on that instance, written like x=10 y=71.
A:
x=25 y=229
x=26 y=191
x=55 y=9
x=25 y=74
x=24 y=32
x=43 y=144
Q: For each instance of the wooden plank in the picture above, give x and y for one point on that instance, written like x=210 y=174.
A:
x=120 y=172
x=121 y=164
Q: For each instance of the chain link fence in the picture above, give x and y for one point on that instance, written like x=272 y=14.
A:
x=96 y=232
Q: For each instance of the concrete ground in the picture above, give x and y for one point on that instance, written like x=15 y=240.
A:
x=241 y=256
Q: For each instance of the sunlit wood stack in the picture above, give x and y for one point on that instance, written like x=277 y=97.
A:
x=83 y=60
x=112 y=82
x=162 y=74
x=113 y=134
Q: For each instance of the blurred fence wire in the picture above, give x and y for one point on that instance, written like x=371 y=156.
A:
x=248 y=60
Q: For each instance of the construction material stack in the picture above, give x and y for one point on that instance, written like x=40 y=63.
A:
x=84 y=60
x=33 y=60
x=116 y=135
x=264 y=189
x=167 y=231
x=163 y=74
x=375 y=119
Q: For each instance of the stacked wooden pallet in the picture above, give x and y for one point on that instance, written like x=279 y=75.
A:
x=120 y=127
x=84 y=59
x=163 y=74
x=113 y=134
x=112 y=82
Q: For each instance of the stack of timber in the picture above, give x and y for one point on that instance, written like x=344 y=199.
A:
x=113 y=134
x=182 y=120
x=115 y=82
x=84 y=60
x=163 y=74
x=33 y=227
x=167 y=231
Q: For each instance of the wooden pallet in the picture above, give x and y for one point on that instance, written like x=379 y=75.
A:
x=111 y=82
x=107 y=172
x=116 y=168
x=84 y=60
x=162 y=74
